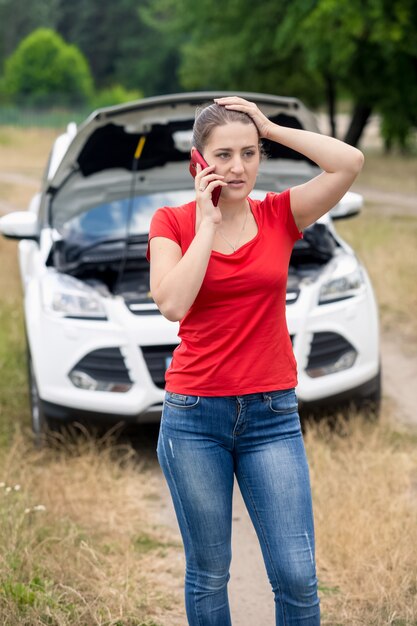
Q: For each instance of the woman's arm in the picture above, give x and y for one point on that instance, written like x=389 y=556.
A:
x=175 y=280
x=341 y=163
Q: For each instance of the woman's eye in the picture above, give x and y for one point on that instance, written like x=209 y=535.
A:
x=249 y=153
x=223 y=155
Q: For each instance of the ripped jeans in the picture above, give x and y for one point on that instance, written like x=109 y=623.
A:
x=203 y=442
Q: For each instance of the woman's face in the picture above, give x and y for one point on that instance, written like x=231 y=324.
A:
x=234 y=150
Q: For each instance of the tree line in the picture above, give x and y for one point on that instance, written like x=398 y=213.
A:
x=322 y=51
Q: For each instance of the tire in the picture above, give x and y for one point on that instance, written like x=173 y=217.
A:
x=39 y=421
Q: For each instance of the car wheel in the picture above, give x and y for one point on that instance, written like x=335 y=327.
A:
x=38 y=418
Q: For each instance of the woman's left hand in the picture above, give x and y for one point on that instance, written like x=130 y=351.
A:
x=262 y=123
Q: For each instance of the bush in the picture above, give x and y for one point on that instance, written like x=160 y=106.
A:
x=44 y=70
x=114 y=95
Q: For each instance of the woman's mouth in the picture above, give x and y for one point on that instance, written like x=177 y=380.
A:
x=235 y=183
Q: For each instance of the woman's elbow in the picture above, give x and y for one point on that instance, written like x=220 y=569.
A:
x=357 y=161
x=168 y=309
x=171 y=314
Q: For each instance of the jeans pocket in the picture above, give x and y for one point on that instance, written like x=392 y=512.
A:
x=180 y=401
x=283 y=401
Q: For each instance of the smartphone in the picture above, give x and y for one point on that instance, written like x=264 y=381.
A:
x=196 y=157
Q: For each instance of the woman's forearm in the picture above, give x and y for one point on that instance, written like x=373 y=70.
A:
x=179 y=287
x=330 y=154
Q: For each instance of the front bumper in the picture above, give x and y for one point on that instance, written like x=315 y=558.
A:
x=58 y=413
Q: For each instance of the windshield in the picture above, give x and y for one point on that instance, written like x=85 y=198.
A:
x=109 y=220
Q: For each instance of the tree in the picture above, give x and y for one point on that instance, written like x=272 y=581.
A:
x=44 y=68
x=18 y=18
x=120 y=46
x=232 y=46
x=367 y=48
x=313 y=49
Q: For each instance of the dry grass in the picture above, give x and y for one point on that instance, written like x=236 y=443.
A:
x=93 y=555
x=364 y=479
x=15 y=196
x=391 y=172
x=387 y=245
x=9 y=277
x=23 y=157
x=25 y=150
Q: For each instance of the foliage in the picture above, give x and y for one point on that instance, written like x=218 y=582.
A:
x=119 y=44
x=367 y=49
x=18 y=18
x=306 y=48
x=232 y=46
x=114 y=95
x=45 y=68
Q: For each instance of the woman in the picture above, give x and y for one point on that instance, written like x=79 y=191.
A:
x=230 y=405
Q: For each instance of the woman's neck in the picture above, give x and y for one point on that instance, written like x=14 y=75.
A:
x=233 y=210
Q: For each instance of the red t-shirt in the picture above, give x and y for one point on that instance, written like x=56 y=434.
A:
x=234 y=338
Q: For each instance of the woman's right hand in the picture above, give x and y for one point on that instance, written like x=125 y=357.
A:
x=205 y=182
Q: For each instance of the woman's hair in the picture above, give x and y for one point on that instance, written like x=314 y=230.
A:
x=209 y=116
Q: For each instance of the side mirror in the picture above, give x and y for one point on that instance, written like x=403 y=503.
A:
x=349 y=206
x=19 y=225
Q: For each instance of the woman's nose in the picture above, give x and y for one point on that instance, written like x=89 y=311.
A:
x=237 y=165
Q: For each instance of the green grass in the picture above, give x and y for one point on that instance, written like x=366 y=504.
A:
x=144 y=542
x=52 y=118
x=14 y=400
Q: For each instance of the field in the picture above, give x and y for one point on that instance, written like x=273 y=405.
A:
x=80 y=544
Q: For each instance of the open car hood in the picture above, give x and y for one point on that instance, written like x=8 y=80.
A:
x=109 y=138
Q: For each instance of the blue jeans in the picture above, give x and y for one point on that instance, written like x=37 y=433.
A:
x=203 y=442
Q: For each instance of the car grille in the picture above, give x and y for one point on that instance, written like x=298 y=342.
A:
x=156 y=358
x=141 y=308
x=292 y=296
x=105 y=364
x=326 y=349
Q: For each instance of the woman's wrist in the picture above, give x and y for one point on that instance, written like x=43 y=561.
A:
x=267 y=130
x=273 y=132
x=208 y=224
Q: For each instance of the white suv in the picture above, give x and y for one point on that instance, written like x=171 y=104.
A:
x=98 y=346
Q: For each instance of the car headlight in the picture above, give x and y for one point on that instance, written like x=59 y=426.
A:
x=345 y=282
x=66 y=296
